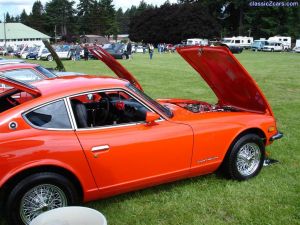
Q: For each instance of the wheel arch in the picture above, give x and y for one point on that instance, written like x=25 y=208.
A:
x=12 y=181
x=259 y=132
x=254 y=130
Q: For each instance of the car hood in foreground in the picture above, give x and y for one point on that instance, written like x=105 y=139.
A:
x=229 y=80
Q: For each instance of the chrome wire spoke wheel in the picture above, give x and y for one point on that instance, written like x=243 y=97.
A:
x=40 y=199
x=248 y=159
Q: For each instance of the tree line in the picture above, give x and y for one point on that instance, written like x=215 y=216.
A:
x=170 y=23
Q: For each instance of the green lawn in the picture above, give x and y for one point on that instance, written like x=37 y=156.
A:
x=273 y=197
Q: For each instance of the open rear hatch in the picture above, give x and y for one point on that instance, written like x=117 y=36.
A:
x=16 y=93
x=229 y=80
x=26 y=87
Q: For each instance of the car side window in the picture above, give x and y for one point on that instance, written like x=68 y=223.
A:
x=107 y=108
x=26 y=75
x=53 y=115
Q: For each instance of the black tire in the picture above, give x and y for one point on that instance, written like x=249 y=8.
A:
x=234 y=157
x=49 y=58
x=38 y=180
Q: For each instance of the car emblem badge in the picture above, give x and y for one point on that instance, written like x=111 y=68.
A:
x=200 y=51
x=13 y=125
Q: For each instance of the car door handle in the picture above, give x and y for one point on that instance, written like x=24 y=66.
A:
x=100 y=148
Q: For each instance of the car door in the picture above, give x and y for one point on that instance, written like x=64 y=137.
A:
x=132 y=153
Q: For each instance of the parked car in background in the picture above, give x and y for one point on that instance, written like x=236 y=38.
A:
x=197 y=41
x=258 y=45
x=235 y=49
x=63 y=52
x=26 y=51
x=273 y=47
x=25 y=72
x=83 y=138
x=140 y=49
x=35 y=53
x=3 y=51
x=118 y=51
x=296 y=49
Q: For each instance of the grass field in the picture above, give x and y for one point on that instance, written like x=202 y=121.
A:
x=271 y=198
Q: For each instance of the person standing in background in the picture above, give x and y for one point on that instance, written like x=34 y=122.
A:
x=86 y=52
x=72 y=51
x=77 y=52
x=151 y=50
x=129 y=50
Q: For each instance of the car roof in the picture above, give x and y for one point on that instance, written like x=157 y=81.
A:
x=17 y=66
x=65 y=86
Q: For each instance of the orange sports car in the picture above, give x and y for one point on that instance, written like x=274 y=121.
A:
x=81 y=138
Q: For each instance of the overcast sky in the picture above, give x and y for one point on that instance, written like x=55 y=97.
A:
x=15 y=7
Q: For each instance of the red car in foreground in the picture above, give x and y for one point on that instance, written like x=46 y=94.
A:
x=83 y=138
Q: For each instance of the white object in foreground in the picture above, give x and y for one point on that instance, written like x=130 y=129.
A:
x=70 y=216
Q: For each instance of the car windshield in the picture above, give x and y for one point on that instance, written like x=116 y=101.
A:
x=160 y=107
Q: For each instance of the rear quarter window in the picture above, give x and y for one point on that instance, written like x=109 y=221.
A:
x=50 y=116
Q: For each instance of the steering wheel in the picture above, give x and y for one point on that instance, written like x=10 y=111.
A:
x=104 y=106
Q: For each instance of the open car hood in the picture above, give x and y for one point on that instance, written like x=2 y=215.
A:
x=26 y=87
x=114 y=65
x=229 y=80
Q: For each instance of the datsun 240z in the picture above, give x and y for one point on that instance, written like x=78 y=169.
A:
x=81 y=138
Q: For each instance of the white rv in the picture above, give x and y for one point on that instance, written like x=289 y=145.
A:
x=285 y=41
x=196 y=41
x=297 y=46
x=239 y=41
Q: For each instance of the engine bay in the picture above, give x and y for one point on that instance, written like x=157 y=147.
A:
x=199 y=106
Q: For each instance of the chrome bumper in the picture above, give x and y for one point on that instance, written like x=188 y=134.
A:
x=276 y=136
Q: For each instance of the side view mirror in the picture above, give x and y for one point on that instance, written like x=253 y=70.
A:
x=150 y=118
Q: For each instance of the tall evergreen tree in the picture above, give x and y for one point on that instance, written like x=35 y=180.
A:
x=86 y=16
x=108 y=24
x=24 y=17
x=185 y=21
x=60 y=15
x=8 y=18
x=37 y=18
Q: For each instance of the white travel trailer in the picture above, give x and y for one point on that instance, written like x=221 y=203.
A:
x=297 y=46
x=196 y=41
x=285 y=41
x=239 y=41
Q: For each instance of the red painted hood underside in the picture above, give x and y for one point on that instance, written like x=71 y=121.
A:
x=229 y=80
x=115 y=66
